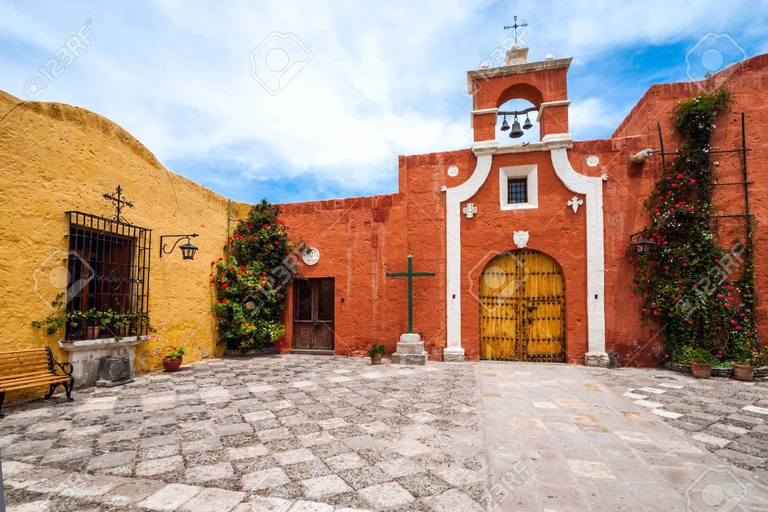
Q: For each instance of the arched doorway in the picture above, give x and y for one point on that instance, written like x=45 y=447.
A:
x=522 y=308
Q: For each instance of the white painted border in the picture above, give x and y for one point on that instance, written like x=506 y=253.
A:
x=453 y=198
x=592 y=188
x=531 y=173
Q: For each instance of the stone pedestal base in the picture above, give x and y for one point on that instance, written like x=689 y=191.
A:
x=410 y=350
x=453 y=355
x=597 y=359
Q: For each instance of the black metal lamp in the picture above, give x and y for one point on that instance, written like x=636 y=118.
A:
x=643 y=246
x=187 y=249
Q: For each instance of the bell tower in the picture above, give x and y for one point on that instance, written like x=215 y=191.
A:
x=542 y=83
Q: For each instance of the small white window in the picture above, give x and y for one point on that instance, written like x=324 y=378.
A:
x=518 y=187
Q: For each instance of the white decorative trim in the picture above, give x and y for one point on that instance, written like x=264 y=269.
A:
x=520 y=238
x=592 y=188
x=530 y=172
x=479 y=113
x=470 y=210
x=531 y=147
x=574 y=203
x=310 y=256
x=560 y=103
x=454 y=196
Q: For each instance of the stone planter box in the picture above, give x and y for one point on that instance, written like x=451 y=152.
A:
x=760 y=372
x=85 y=356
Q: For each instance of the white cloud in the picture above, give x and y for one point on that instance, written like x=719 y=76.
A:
x=382 y=80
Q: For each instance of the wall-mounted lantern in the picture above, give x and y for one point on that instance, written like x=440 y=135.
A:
x=187 y=249
x=643 y=246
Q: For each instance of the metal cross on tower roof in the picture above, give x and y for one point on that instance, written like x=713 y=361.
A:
x=516 y=26
x=119 y=200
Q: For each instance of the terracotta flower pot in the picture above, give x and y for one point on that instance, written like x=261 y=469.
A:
x=743 y=371
x=701 y=370
x=376 y=359
x=92 y=332
x=171 y=365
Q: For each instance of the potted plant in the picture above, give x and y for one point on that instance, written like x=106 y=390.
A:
x=748 y=352
x=701 y=363
x=93 y=324
x=122 y=324
x=376 y=352
x=172 y=361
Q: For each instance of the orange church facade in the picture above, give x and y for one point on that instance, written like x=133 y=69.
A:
x=525 y=240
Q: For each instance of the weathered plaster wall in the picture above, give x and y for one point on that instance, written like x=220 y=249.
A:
x=55 y=158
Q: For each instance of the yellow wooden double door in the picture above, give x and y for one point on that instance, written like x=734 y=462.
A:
x=522 y=308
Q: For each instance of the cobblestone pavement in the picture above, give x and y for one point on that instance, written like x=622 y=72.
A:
x=729 y=417
x=558 y=438
x=251 y=435
x=304 y=433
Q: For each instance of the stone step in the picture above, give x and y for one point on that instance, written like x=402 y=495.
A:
x=409 y=359
x=410 y=348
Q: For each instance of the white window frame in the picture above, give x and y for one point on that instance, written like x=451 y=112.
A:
x=530 y=172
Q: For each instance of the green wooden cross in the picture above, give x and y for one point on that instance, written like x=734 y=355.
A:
x=410 y=275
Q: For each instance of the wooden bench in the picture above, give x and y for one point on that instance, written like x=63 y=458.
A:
x=31 y=368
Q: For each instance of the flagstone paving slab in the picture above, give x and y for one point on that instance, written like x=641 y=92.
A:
x=329 y=434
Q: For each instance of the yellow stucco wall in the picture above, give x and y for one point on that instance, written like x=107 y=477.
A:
x=55 y=158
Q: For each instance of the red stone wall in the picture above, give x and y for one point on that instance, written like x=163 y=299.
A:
x=360 y=239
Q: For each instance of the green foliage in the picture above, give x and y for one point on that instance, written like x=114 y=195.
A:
x=377 y=350
x=177 y=353
x=702 y=356
x=687 y=280
x=58 y=318
x=251 y=281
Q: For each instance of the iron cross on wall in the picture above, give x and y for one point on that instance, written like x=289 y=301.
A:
x=119 y=201
x=410 y=275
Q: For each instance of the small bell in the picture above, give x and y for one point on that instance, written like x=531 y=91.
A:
x=504 y=124
x=528 y=124
x=516 y=130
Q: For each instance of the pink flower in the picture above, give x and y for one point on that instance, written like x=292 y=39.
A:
x=738 y=327
x=666 y=356
x=632 y=295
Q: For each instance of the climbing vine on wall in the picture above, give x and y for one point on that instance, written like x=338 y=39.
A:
x=699 y=291
x=251 y=280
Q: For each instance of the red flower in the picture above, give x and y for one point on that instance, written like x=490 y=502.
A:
x=213 y=263
x=223 y=301
x=224 y=286
x=242 y=267
x=265 y=226
x=277 y=243
x=280 y=222
x=249 y=325
x=173 y=348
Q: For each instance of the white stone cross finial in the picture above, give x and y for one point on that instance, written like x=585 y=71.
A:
x=470 y=210
x=575 y=202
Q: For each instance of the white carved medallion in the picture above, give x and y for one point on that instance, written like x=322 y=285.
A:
x=520 y=238
x=311 y=256
x=575 y=202
x=470 y=210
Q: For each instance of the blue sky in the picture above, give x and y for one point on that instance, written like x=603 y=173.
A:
x=340 y=89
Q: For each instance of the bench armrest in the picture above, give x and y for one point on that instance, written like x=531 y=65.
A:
x=66 y=368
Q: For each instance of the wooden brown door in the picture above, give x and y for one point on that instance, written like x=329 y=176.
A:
x=522 y=308
x=313 y=314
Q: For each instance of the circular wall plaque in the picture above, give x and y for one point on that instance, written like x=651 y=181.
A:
x=593 y=160
x=311 y=256
x=453 y=171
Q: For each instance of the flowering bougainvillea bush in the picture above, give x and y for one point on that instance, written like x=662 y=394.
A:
x=700 y=292
x=251 y=280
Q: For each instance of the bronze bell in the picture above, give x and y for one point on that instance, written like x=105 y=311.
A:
x=504 y=124
x=516 y=130
x=528 y=124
